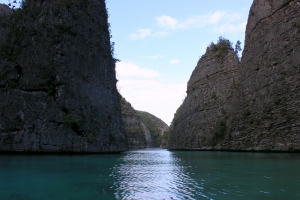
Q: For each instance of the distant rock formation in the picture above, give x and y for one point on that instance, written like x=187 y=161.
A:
x=155 y=126
x=253 y=105
x=57 y=79
x=135 y=131
x=142 y=128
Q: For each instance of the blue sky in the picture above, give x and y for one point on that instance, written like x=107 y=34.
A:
x=159 y=43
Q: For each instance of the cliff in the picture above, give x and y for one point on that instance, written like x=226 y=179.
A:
x=201 y=119
x=142 y=128
x=251 y=106
x=57 y=79
x=135 y=131
x=155 y=126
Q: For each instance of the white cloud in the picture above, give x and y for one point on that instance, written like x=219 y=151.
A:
x=125 y=70
x=141 y=34
x=230 y=28
x=222 y=20
x=219 y=18
x=176 y=61
x=215 y=17
x=149 y=93
x=168 y=22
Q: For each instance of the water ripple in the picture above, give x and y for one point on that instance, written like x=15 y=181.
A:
x=154 y=175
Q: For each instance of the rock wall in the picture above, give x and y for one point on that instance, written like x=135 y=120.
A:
x=263 y=91
x=208 y=105
x=269 y=79
x=57 y=79
x=142 y=128
x=136 y=132
x=156 y=127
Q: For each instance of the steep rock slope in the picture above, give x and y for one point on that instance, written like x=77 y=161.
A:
x=155 y=126
x=270 y=79
x=135 y=131
x=263 y=111
x=200 y=121
x=57 y=79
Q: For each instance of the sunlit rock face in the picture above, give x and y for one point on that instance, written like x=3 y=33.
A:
x=57 y=79
x=263 y=111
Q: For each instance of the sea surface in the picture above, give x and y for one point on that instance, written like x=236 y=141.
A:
x=151 y=174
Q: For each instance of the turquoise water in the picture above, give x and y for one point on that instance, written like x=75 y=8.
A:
x=151 y=174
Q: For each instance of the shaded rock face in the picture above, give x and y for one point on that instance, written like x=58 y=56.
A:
x=57 y=79
x=210 y=96
x=136 y=131
x=142 y=128
x=263 y=91
x=156 y=127
x=269 y=79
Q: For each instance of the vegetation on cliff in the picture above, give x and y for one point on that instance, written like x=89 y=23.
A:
x=155 y=125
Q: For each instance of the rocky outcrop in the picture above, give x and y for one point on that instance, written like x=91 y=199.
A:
x=156 y=127
x=136 y=132
x=142 y=128
x=57 y=79
x=255 y=105
x=210 y=96
x=269 y=79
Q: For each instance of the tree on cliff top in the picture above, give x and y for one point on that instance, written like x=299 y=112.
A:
x=219 y=50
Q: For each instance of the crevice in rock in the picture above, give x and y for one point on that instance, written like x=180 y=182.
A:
x=283 y=6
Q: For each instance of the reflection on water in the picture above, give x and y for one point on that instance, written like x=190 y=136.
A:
x=151 y=174
x=148 y=174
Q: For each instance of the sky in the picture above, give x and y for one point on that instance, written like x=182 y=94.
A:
x=159 y=43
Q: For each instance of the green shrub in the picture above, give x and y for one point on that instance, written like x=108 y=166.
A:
x=220 y=50
x=214 y=96
x=219 y=131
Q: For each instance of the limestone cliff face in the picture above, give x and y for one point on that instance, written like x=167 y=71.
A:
x=208 y=105
x=269 y=79
x=142 y=128
x=256 y=104
x=136 y=132
x=57 y=79
x=156 y=127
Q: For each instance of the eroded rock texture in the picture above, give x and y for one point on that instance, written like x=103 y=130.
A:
x=136 y=132
x=57 y=79
x=263 y=108
x=153 y=126
x=210 y=96
x=142 y=128
x=270 y=79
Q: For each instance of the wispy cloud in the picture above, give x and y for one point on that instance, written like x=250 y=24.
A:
x=141 y=33
x=131 y=70
x=220 y=18
x=176 y=61
x=221 y=21
x=168 y=22
x=230 y=27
